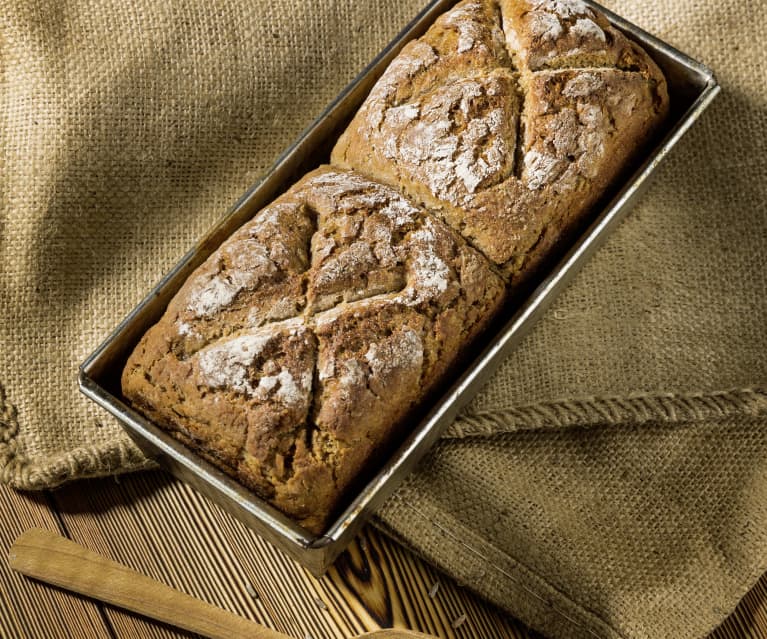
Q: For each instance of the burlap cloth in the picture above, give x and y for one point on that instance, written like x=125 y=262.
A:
x=610 y=481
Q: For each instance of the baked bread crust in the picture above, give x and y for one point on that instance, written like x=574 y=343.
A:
x=304 y=343
x=509 y=120
x=300 y=346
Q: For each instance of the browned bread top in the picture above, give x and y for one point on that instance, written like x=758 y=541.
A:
x=551 y=34
x=296 y=350
x=509 y=119
x=304 y=343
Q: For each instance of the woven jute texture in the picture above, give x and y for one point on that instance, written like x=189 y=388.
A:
x=610 y=481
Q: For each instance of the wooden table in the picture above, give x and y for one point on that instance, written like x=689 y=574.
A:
x=167 y=530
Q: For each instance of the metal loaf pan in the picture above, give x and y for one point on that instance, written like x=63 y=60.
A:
x=692 y=87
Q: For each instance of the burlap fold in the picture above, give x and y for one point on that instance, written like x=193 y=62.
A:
x=610 y=481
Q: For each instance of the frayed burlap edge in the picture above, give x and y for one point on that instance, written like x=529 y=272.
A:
x=482 y=558
x=95 y=461
x=543 y=599
x=550 y=607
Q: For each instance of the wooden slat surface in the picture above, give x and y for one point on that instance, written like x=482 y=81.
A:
x=30 y=609
x=165 y=529
x=145 y=519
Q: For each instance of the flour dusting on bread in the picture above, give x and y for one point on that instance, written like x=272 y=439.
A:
x=305 y=344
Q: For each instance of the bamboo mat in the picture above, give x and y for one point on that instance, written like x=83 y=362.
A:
x=167 y=530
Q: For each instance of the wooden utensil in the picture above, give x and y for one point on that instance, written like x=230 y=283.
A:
x=47 y=556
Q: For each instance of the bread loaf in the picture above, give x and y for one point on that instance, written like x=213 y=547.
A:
x=509 y=120
x=303 y=344
x=298 y=346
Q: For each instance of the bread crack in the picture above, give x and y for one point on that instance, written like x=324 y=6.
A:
x=315 y=329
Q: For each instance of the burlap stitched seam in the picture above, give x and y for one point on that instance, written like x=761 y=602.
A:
x=9 y=429
x=458 y=538
x=593 y=411
x=19 y=472
x=82 y=462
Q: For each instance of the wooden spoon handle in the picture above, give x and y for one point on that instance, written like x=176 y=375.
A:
x=51 y=558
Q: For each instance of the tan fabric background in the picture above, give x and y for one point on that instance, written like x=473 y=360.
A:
x=611 y=481
x=128 y=128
